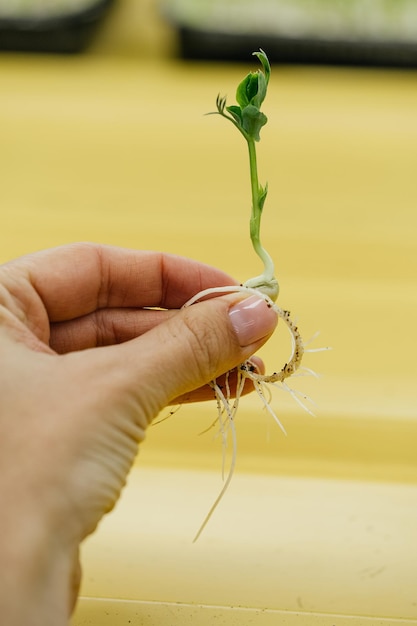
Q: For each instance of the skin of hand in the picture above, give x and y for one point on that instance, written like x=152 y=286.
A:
x=93 y=344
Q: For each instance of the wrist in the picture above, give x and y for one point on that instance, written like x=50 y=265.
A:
x=35 y=589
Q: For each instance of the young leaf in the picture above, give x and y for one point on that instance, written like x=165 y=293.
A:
x=252 y=121
x=265 y=64
x=236 y=112
x=247 y=89
x=263 y=191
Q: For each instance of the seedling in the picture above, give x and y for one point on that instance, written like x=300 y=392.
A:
x=248 y=118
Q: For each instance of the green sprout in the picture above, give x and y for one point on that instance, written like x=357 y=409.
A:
x=249 y=119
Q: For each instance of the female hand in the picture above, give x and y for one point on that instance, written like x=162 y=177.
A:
x=93 y=345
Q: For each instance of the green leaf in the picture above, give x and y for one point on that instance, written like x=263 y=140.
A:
x=261 y=91
x=263 y=191
x=250 y=94
x=247 y=89
x=236 y=113
x=253 y=88
x=265 y=64
x=252 y=121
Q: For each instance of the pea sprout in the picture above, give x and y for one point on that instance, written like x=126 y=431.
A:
x=248 y=118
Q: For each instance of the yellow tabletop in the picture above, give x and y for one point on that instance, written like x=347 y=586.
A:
x=318 y=527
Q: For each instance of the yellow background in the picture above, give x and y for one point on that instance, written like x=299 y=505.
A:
x=113 y=146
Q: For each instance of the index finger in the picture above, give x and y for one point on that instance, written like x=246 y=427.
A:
x=78 y=279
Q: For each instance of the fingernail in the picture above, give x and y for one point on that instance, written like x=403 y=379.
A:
x=252 y=319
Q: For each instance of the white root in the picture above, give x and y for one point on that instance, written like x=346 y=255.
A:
x=226 y=409
x=297 y=343
x=223 y=408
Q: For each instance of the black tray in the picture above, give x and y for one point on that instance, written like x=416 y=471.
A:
x=68 y=33
x=230 y=30
x=217 y=46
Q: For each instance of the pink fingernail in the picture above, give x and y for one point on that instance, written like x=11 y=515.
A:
x=252 y=319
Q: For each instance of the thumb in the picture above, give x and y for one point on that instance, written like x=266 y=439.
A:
x=195 y=346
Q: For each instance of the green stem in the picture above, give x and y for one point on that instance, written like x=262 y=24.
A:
x=255 y=220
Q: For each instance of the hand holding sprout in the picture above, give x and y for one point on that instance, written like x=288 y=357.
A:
x=93 y=348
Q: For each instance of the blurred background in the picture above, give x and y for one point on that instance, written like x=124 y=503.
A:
x=103 y=138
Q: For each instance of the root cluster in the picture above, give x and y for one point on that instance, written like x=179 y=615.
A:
x=227 y=406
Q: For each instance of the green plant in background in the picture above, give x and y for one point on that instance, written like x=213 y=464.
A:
x=248 y=118
x=393 y=21
x=39 y=9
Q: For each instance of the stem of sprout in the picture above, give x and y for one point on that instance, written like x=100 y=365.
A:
x=267 y=279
